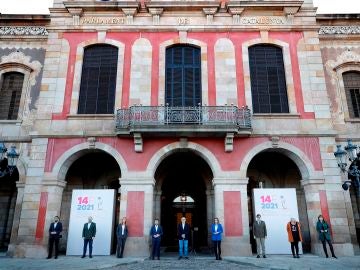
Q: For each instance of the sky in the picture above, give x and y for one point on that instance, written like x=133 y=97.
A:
x=41 y=6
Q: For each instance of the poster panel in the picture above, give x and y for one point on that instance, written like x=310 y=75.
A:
x=276 y=207
x=99 y=204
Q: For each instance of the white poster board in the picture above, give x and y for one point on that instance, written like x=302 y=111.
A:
x=99 y=204
x=276 y=206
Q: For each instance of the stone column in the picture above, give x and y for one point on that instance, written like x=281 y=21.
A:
x=137 y=204
x=16 y=220
x=231 y=207
x=210 y=212
x=328 y=199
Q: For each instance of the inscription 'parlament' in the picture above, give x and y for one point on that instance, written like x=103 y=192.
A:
x=263 y=20
x=97 y=20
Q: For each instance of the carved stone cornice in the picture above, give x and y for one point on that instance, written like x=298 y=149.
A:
x=236 y=12
x=76 y=13
x=155 y=13
x=129 y=13
x=209 y=12
x=23 y=31
x=340 y=30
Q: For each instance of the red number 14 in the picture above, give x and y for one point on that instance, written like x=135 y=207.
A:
x=265 y=199
x=83 y=200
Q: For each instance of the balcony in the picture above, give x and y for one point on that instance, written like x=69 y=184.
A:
x=184 y=121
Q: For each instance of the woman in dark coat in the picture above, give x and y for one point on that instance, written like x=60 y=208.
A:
x=323 y=229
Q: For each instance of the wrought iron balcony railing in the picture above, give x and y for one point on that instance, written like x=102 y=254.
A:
x=166 y=119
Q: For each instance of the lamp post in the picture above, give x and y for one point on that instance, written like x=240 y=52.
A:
x=8 y=160
x=352 y=154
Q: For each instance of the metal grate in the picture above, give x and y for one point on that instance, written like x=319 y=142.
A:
x=183 y=76
x=10 y=95
x=352 y=91
x=98 y=80
x=268 y=83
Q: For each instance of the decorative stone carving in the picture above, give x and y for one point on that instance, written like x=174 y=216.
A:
x=236 y=12
x=346 y=57
x=340 y=30
x=138 y=143
x=23 y=31
x=229 y=142
x=155 y=13
x=290 y=12
x=209 y=12
x=129 y=13
x=76 y=13
x=275 y=141
x=92 y=142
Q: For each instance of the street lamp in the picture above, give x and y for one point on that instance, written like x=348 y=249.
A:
x=8 y=160
x=350 y=153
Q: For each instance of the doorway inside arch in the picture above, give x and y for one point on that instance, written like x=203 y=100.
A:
x=183 y=182
x=93 y=170
x=276 y=170
x=8 y=195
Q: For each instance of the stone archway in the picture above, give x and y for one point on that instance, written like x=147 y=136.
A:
x=184 y=173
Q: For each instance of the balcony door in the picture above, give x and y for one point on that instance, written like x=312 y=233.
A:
x=183 y=76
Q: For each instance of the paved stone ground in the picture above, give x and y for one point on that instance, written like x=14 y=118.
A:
x=170 y=262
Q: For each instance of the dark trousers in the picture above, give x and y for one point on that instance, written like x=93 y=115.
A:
x=155 y=248
x=295 y=247
x=217 y=249
x=86 y=242
x=330 y=245
x=53 y=241
x=120 y=247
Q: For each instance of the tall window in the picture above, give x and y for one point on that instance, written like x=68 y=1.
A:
x=183 y=76
x=98 y=80
x=268 y=84
x=352 y=90
x=10 y=95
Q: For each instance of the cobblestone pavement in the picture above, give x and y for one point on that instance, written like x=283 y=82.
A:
x=273 y=262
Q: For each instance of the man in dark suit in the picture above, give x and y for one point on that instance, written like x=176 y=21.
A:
x=54 y=236
x=88 y=234
x=156 y=232
x=260 y=233
x=121 y=235
x=183 y=236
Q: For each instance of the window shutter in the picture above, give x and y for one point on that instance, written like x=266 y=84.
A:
x=268 y=83
x=10 y=95
x=183 y=76
x=98 y=80
x=352 y=91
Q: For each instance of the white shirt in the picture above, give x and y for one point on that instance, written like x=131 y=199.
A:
x=55 y=223
x=89 y=224
x=122 y=229
x=156 y=227
x=216 y=227
x=183 y=226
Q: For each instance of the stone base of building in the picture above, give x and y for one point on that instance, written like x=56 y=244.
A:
x=137 y=247
x=341 y=250
x=236 y=246
x=27 y=251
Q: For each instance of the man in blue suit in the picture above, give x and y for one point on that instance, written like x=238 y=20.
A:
x=88 y=234
x=183 y=236
x=54 y=236
x=156 y=232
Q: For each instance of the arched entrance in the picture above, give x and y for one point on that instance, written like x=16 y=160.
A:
x=94 y=169
x=273 y=169
x=8 y=195
x=183 y=185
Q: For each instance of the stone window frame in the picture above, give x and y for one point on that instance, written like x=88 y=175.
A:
x=19 y=62
x=78 y=70
x=204 y=66
x=293 y=110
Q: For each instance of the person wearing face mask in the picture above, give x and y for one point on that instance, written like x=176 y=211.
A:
x=323 y=229
x=294 y=234
x=54 y=236
x=216 y=231
x=260 y=234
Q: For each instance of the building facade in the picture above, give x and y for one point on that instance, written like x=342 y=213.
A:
x=162 y=100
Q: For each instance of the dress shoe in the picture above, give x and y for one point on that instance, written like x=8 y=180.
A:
x=90 y=256
x=158 y=258
x=179 y=258
x=186 y=258
x=264 y=256
x=334 y=256
x=220 y=258
x=327 y=256
x=258 y=256
x=83 y=256
x=297 y=256
x=48 y=257
x=55 y=257
x=294 y=256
